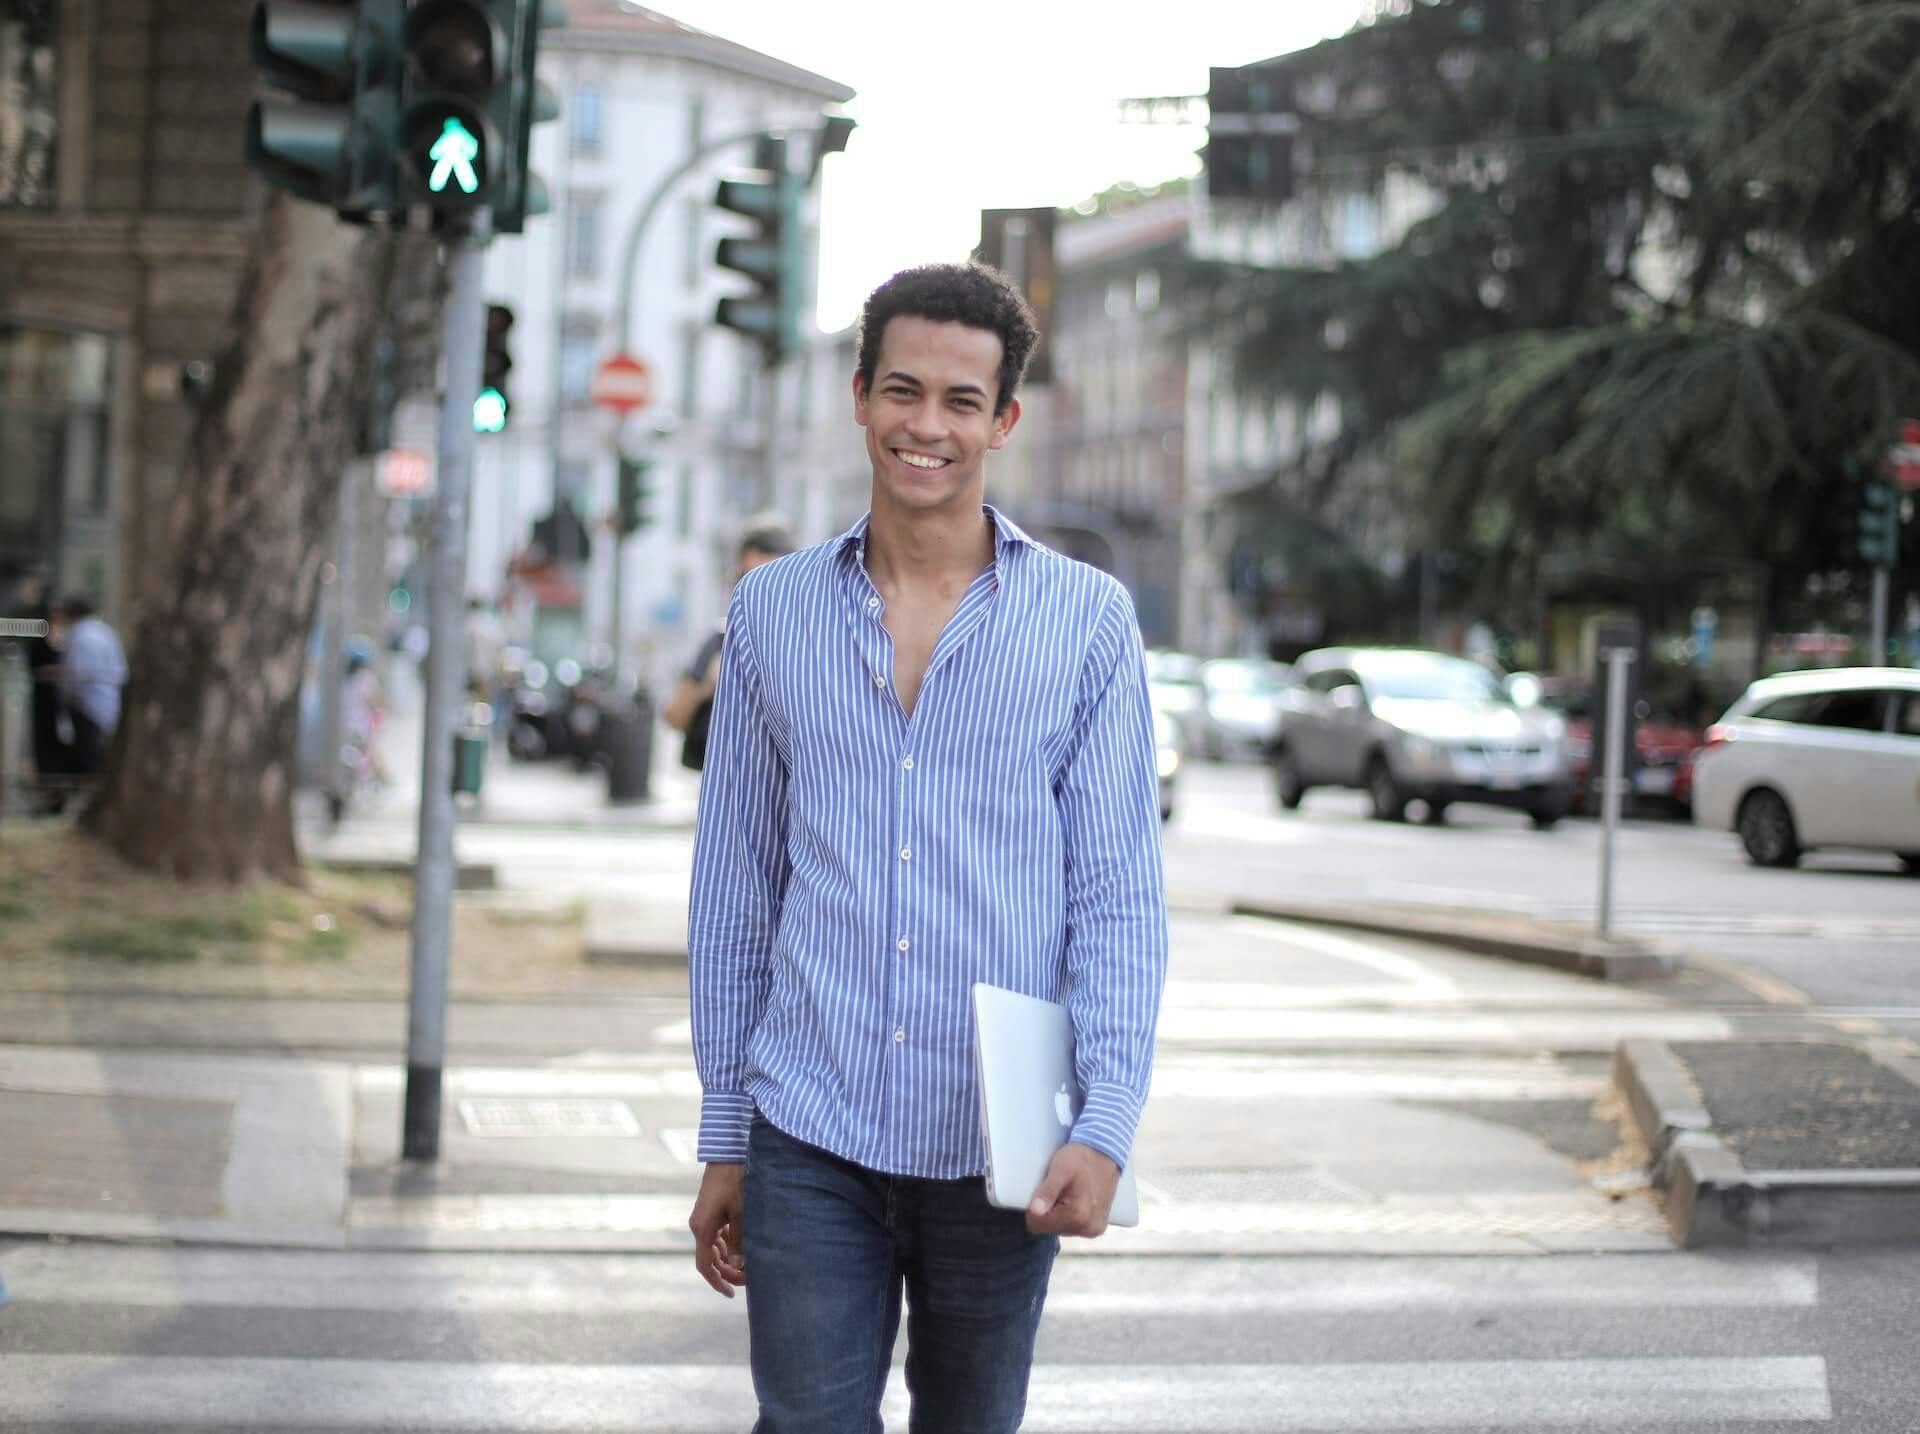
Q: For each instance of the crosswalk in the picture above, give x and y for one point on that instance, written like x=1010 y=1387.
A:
x=175 y=1339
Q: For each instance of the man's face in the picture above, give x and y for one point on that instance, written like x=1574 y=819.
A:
x=929 y=415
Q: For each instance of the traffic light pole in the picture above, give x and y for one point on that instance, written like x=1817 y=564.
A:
x=1878 y=652
x=433 y=861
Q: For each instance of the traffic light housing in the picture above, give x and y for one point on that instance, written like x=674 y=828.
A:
x=635 y=497
x=491 y=406
x=1878 y=523
x=773 y=255
x=472 y=98
x=327 y=134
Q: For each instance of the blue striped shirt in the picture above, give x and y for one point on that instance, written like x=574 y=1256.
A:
x=856 y=870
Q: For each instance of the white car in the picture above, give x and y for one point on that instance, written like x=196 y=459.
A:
x=1813 y=759
x=1244 y=700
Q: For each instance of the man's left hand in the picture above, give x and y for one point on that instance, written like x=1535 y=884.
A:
x=1076 y=1195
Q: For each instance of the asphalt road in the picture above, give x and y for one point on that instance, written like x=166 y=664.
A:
x=98 y=1338
x=1844 y=929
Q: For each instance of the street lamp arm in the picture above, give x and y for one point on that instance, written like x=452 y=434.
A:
x=630 y=256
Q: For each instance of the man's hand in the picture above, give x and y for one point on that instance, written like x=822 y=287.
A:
x=1076 y=1195
x=716 y=1226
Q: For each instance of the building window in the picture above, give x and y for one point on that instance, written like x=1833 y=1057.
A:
x=28 y=109
x=588 y=113
x=579 y=355
x=583 y=235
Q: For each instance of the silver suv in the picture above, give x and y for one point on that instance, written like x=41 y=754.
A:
x=1408 y=725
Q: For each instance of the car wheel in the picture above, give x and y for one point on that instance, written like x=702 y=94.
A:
x=1544 y=819
x=1911 y=861
x=1436 y=814
x=1766 y=829
x=1287 y=785
x=1389 y=802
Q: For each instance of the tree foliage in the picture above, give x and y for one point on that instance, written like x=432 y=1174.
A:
x=1667 y=288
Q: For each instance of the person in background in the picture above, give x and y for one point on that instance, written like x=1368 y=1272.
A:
x=93 y=669
x=690 y=709
x=51 y=751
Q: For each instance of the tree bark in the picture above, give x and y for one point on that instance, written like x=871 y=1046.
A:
x=200 y=781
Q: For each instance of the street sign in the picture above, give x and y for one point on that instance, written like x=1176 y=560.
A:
x=623 y=383
x=1903 y=460
x=404 y=473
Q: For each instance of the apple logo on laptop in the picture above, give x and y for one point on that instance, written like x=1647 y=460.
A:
x=1063 y=1105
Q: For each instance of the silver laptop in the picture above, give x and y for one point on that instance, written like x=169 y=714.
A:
x=1029 y=1099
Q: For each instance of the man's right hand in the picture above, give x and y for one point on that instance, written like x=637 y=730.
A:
x=716 y=1225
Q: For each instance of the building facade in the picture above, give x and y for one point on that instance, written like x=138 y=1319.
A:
x=125 y=213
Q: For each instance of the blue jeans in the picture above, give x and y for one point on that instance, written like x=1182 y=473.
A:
x=829 y=1247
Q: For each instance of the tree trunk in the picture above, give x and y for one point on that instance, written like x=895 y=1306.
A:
x=200 y=781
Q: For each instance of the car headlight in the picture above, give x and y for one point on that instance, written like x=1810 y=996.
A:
x=1423 y=751
x=1167 y=760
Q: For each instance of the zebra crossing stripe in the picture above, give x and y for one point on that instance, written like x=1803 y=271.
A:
x=590 y=1285
x=155 y=1394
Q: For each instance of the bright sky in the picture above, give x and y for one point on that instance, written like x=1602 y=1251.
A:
x=995 y=104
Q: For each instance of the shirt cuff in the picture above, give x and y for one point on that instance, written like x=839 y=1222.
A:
x=1107 y=1123
x=725 y=1120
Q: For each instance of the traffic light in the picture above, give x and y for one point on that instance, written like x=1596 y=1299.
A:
x=635 y=497
x=328 y=135
x=491 y=407
x=471 y=101
x=773 y=255
x=1250 y=129
x=1879 y=523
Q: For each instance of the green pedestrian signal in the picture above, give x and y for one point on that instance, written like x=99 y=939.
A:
x=453 y=155
x=490 y=411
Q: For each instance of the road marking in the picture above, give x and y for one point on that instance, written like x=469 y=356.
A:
x=156 y=1393
x=176 y=1280
x=1397 y=965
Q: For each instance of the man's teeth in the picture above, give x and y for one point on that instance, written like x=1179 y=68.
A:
x=920 y=461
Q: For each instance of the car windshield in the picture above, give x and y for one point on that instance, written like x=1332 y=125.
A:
x=1433 y=679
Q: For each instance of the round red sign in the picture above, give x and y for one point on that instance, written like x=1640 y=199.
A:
x=623 y=383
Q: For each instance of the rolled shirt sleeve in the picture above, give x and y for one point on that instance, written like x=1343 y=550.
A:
x=739 y=882
x=1116 y=912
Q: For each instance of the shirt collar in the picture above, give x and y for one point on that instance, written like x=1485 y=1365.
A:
x=1006 y=534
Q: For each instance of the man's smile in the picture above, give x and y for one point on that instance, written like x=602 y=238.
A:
x=926 y=461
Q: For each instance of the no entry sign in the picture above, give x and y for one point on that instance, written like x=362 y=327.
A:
x=623 y=383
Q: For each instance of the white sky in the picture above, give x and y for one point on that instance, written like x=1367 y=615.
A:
x=995 y=104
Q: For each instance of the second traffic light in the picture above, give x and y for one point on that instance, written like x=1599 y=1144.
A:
x=635 y=497
x=773 y=255
x=1878 y=519
x=491 y=408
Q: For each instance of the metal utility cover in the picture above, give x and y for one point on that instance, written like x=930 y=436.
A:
x=548 y=1118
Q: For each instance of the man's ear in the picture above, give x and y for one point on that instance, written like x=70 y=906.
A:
x=859 y=399
x=1003 y=423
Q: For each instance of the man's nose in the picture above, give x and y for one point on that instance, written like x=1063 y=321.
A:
x=928 y=420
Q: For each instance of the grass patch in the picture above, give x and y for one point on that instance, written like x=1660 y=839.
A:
x=142 y=944
x=13 y=908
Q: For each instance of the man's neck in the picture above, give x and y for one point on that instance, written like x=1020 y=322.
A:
x=928 y=549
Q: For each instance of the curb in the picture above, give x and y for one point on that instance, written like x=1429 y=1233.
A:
x=467 y=875
x=1563 y=948
x=1713 y=1199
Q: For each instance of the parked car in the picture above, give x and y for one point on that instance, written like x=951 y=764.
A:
x=1663 y=749
x=1405 y=724
x=1242 y=699
x=1167 y=757
x=1817 y=759
x=1175 y=688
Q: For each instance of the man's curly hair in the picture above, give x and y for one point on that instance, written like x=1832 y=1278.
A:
x=974 y=294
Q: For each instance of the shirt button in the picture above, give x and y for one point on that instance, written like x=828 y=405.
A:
x=899 y=1036
x=878 y=680
x=904 y=943
x=906 y=853
x=873 y=602
x=907 y=763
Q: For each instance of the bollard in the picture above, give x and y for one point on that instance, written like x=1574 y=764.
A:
x=630 y=768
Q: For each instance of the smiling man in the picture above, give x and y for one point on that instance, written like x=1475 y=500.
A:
x=933 y=764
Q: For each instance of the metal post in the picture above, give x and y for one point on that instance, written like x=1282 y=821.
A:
x=1877 y=654
x=770 y=453
x=465 y=339
x=1616 y=761
x=333 y=641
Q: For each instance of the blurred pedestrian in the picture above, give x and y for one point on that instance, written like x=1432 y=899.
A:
x=363 y=712
x=484 y=643
x=93 y=670
x=50 y=732
x=690 y=709
x=931 y=763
